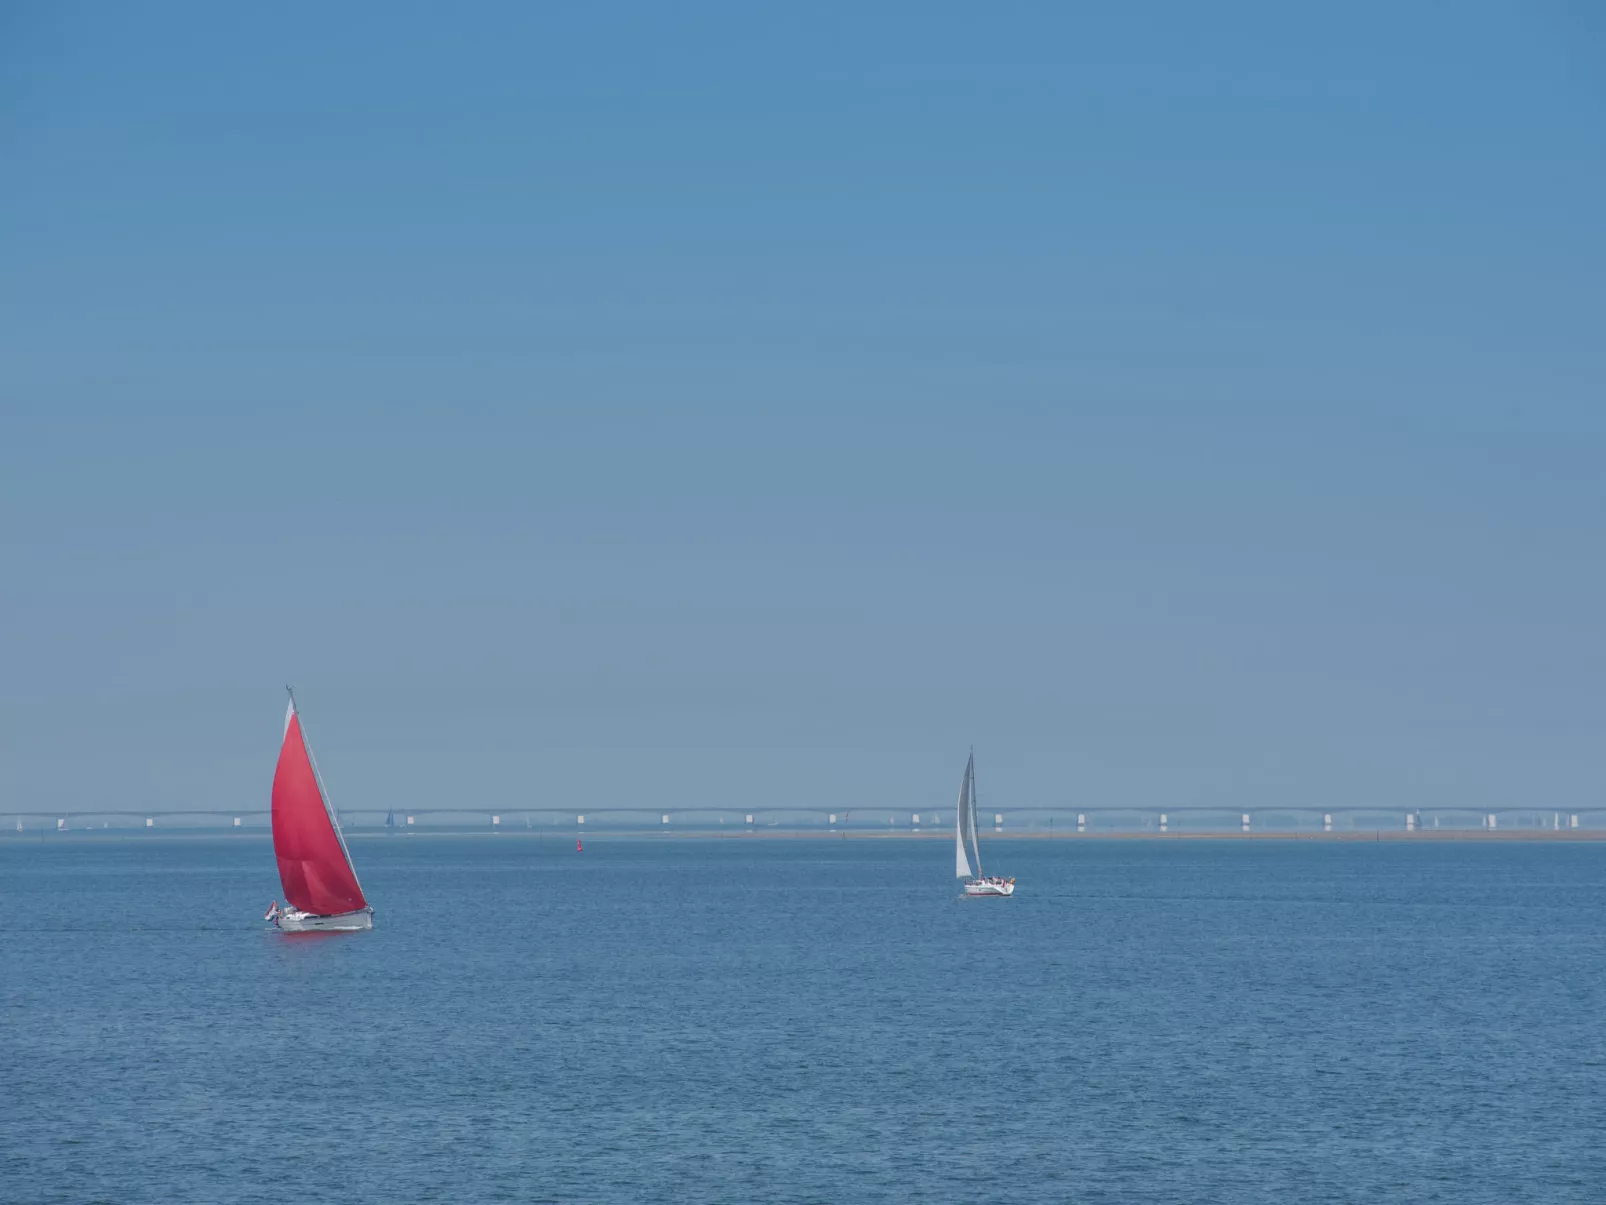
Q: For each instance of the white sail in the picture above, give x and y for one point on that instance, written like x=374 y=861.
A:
x=970 y=824
x=967 y=854
x=961 y=864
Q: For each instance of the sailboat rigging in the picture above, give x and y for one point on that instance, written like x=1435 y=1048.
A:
x=967 y=853
x=315 y=867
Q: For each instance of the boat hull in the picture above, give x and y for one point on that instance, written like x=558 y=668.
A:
x=292 y=920
x=997 y=890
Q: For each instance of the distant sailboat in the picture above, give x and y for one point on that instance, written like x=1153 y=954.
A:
x=966 y=850
x=320 y=883
x=390 y=819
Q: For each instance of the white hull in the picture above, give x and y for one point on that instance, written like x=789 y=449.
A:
x=292 y=920
x=985 y=888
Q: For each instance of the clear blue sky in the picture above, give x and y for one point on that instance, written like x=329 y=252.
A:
x=1184 y=403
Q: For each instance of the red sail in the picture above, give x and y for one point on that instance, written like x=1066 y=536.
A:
x=313 y=867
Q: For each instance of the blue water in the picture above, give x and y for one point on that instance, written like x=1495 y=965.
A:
x=750 y=1020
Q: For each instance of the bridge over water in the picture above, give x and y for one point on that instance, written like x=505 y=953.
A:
x=1052 y=819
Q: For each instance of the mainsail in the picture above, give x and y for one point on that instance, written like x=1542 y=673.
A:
x=314 y=866
x=965 y=825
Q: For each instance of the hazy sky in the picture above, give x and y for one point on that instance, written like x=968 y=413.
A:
x=1182 y=403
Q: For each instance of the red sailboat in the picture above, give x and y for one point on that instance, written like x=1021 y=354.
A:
x=320 y=883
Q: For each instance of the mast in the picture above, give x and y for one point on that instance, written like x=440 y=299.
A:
x=323 y=794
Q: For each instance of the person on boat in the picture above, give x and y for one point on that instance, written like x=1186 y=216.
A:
x=272 y=913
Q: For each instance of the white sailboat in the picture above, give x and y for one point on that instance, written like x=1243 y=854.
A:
x=966 y=850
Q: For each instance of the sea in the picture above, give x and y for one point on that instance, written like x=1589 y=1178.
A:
x=742 y=1019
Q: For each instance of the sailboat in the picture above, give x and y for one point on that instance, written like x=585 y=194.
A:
x=965 y=842
x=320 y=883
